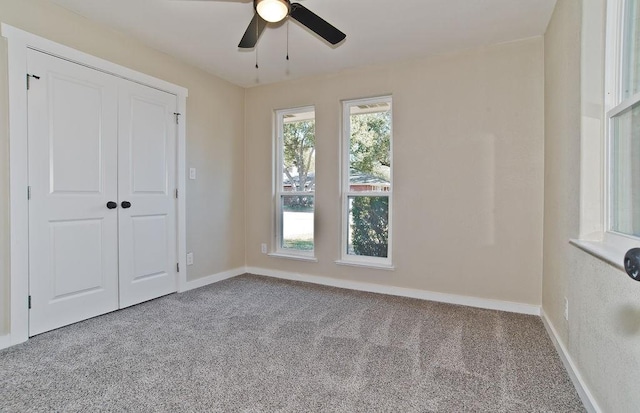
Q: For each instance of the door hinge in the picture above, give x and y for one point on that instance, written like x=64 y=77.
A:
x=29 y=302
x=177 y=117
x=176 y=193
x=29 y=79
x=177 y=266
x=28 y=192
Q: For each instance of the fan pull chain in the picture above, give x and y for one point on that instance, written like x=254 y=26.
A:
x=257 y=67
x=287 y=39
x=256 y=49
x=256 y=46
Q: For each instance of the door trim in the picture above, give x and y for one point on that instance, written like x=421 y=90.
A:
x=19 y=41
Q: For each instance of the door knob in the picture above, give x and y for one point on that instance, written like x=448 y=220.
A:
x=125 y=204
x=112 y=205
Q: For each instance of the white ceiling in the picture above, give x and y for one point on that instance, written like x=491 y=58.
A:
x=206 y=33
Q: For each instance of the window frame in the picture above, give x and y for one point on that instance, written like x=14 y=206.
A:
x=361 y=260
x=614 y=105
x=278 y=182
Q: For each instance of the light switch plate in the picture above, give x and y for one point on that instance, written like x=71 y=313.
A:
x=192 y=173
x=190 y=258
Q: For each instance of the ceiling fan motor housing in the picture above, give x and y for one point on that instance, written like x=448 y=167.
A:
x=272 y=11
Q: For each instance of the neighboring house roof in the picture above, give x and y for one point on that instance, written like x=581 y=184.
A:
x=355 y=178
x=362 y=178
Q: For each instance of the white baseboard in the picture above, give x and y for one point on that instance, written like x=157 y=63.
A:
x=581 y=387
x=402 y=292
x=210 y=279
x=5 y=341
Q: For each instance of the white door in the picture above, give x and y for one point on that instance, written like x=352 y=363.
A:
x=73 y=236
x=146 y=193
x=102 y=214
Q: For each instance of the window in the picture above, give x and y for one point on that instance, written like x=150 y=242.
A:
x=367 y=182
x=623 y=117
x=295 y=181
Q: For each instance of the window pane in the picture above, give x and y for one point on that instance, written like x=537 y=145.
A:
x=370 y=147
x=631 y=50
x=297 y=222
x=625 y=171
x=368 y=226
x=299 y=152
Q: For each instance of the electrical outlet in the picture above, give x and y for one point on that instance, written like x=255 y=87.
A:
x=192 y=173
x=190 y=258
x=566 y=308
x=263 y=248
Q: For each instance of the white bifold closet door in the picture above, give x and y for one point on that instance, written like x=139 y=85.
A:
x=146 y=181
x=102 y=212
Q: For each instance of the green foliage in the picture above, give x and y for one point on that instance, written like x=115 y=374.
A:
x=370 y=152
x=298 y=244
x=371 y=143
x=297 y=203
x=370 y=229
x=299 y=143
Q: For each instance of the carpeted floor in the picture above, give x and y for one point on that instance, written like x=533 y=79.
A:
x=254 y=344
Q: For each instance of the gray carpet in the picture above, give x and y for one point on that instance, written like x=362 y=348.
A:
x=253 y=344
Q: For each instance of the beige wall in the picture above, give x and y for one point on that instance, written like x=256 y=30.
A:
x=562 y=153
x=468 y=171
x=602 y=334
x=215 y=134
x=4 y=193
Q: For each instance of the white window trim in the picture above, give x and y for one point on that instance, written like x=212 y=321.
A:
x=352 y=263
x=277 y=251
x=293 y=256
x=19 y=42
x=358 y=260
x=600 y=241
x=614 y=105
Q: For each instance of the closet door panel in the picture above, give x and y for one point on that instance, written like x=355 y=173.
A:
x=73 y=239
x=146 y=182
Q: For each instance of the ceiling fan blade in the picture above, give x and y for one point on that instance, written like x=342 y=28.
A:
x=228 y=1
x=316 y=24
x=253 y=32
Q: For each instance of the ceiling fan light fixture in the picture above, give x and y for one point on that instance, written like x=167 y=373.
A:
x=273 y=10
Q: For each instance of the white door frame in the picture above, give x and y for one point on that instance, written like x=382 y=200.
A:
x=19 y=41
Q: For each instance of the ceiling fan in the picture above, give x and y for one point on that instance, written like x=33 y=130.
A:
x=274 y=11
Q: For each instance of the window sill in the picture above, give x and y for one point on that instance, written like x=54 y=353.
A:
x=387 y=267
x=606 y=252
x=307 y=258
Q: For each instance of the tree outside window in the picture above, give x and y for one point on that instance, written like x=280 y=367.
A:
x=295 y=176
x=368 y=189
